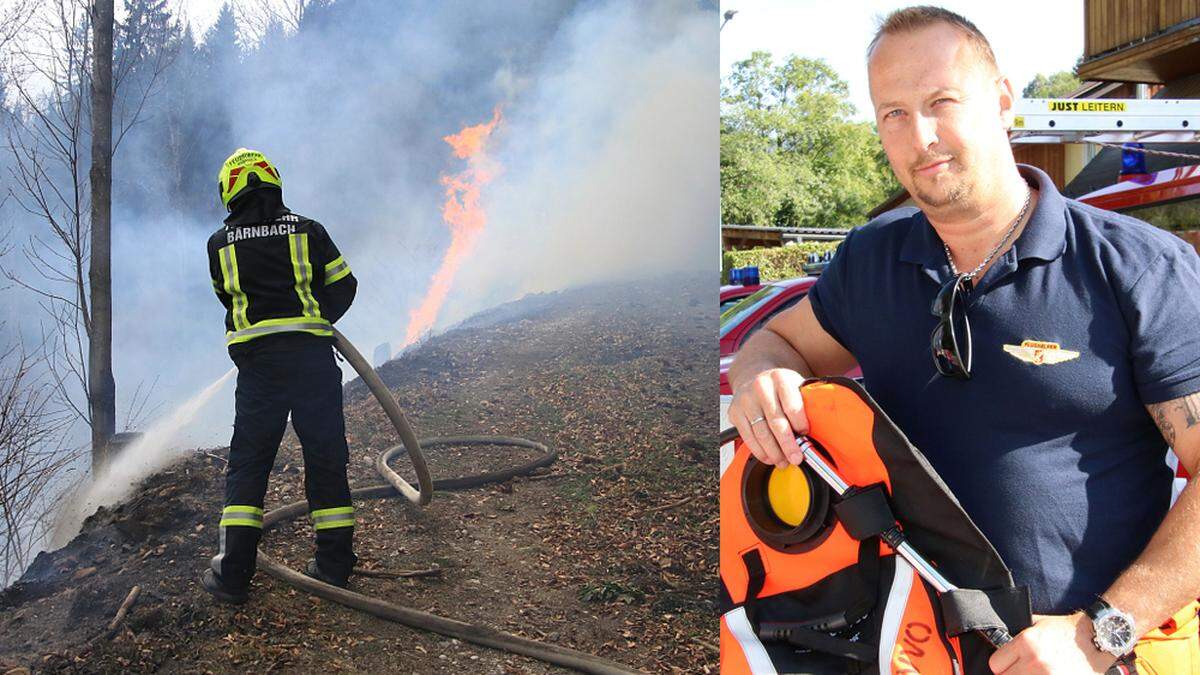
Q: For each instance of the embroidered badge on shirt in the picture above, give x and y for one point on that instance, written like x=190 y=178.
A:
x=1041 y=353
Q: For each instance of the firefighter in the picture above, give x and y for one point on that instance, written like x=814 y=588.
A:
x=283 y=284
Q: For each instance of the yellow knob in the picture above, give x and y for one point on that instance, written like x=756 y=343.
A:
x=789 y=495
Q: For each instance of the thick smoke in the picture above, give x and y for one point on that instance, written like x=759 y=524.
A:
x=607 y=155
x=609 y=160
x=608 y=166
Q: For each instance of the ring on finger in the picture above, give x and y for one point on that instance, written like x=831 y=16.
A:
x=757 y=420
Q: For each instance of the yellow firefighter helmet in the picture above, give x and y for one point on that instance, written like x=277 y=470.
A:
x=245 y=170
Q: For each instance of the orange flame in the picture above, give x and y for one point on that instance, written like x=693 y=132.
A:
x=462 y=214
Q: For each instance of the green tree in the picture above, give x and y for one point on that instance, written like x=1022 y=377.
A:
x=790 y=153
x=220 y=48
x=1057 y=85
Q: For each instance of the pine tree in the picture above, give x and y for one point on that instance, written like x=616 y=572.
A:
x=220 y=46
x=147 y=31
x=273 y=38
x=145 y=47
x=183 y=115
x=218 y=78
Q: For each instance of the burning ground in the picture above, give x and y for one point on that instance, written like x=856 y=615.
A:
x=612 y=550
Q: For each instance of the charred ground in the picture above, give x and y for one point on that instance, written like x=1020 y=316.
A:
x=610 y=551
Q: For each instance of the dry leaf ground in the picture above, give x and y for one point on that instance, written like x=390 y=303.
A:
x=613 y=550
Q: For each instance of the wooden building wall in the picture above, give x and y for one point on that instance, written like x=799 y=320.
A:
x=733 y=238
x=1112 y=23
x=1049 y=157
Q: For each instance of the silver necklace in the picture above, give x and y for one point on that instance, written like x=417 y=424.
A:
x=1011 y=228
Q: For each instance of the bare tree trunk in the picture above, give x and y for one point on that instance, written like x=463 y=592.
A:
x=102 y=397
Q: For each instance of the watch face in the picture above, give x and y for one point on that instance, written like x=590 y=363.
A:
x=1114 y=633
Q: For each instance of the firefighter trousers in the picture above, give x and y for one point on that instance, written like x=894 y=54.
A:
x=307 y=383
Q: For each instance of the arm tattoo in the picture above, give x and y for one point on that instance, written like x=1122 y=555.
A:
x=1188 y=405
x=1191 y=409
x=1159 y=410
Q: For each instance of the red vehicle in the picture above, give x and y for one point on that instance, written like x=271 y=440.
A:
x=1181 y=183
x=743 y=281
x=744 y=319
x=732 y=293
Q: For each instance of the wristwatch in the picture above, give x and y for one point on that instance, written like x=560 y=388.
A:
x=1112 y=629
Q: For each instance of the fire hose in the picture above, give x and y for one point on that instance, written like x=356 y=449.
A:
x=420 y=495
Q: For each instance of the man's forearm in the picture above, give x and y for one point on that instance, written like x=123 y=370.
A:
x=1166 y=576
x=764 y=351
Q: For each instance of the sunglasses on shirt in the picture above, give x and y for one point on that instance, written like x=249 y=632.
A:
x=951 y=338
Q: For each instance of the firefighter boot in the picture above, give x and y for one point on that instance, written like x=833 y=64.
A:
x=314 y=571
x=213 y=584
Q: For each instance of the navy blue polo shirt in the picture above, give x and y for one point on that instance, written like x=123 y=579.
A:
x=1059 y=464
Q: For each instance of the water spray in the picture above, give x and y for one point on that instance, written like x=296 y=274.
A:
x=149 y=453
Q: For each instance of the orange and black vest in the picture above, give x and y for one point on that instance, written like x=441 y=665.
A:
x=807 y=584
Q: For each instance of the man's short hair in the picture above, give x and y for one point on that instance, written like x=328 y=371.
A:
x=915 y=18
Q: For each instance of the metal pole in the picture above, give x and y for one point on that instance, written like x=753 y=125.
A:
x=997 y=636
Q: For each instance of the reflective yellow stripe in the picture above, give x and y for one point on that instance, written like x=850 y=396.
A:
x=300 y=324
x=337 y=277
x=233 y=286
x=339 y=516
x=308 y=275
x=245 y=516
x=336 y=270
x=348 y=521
x=302 y=270
x=226 y=522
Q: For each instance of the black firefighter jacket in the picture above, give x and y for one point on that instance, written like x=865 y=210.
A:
x=278 y=274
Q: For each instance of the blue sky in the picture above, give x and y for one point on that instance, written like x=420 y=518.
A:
x=1028 y=37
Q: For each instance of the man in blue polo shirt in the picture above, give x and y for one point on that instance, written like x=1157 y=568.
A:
x=1061 y=356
